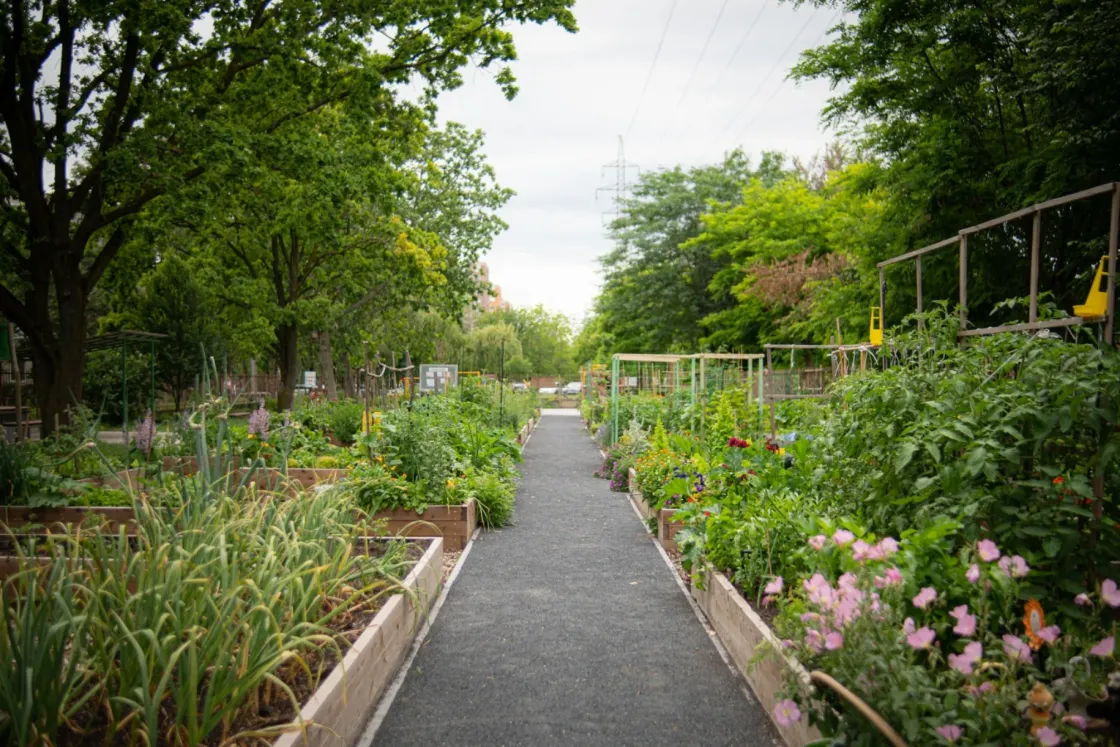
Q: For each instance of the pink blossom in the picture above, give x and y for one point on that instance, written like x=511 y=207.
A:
x=1104 y=647
x=1050 y=633
x=921 y=638
x=1014 y=566
x=1082 y=600
x=973 y=573
x=893 y=577
x=988 y=550
x=1015 y=649
x=768 y=600
x=1076 y=721
x=818 y=541
x=966 y=623
x=833 y=641
x=924 y=597
x=846 y=611
x=908 y=626
x=874 y=602
x=1109 y=593
x=949 y=732
x=808 y=617
x=786 y=713
x=1047 y=737
x=888 y=545
x=860 y=549
x=963 y=662
x=775 y=586
x=819 y=590
x=976 y=692
x=842 y=537
x=814 y=641
x=788 y=643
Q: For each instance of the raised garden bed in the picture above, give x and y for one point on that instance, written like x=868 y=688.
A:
x=337 y=712
x=667 y=528
x=44 y=520
x=636 y=497
x=455 y=524
x=743 y=632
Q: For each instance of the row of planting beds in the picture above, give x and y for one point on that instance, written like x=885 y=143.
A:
x=285 y=598
x=929 y=555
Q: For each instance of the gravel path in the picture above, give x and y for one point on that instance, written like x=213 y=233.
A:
x=569 y=629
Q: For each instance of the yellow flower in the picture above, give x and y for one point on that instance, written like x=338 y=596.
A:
x=781 y=452
x=252 y=435
x=451 y=483
x=266 y=444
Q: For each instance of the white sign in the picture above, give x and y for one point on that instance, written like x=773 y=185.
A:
x=435 y=377
x=309 y=379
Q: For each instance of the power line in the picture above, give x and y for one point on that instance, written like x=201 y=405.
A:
x=770 y=72
x=742 y=41
x=762 y=108
x=649 y=75
x=696 y=67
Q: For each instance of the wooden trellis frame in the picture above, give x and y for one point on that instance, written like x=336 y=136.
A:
x=1033 y=324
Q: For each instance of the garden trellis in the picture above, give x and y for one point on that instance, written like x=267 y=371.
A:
x=1107 y=268
x=121 y=340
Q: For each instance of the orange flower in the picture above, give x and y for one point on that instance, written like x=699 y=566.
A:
x=1034 y=620
x=1058 y=480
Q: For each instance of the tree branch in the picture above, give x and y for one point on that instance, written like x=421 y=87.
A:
x=102 y=260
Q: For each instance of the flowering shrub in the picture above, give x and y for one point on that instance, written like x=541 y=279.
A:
x=960 y=661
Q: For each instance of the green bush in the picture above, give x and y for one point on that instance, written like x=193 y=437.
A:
x=344 y=420
x=101 y=385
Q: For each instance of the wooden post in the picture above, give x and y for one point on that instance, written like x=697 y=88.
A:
x=19 y=381
x=918 y=281
x=1036 y=240
x=883 y=293
x=963 y=300
x=770 y=373
x=1113 y=230
x=365 y=384
x=252 y=374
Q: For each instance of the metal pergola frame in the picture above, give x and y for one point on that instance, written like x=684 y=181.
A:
x=961 y=241
x=121 y=339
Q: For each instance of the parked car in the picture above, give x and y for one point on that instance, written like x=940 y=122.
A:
x=547 y=390
x=519 y=386
x=573 y=387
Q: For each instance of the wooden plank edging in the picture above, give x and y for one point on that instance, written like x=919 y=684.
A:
x=647 y=512
x=667 y=528
x=742 y=632
x=337 y=712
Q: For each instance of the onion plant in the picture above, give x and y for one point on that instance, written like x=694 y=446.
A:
x=195 y=630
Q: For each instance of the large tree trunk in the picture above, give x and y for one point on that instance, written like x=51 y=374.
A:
x=326 y=365
x=59 y=361
x=348 y=383
x=287 y=349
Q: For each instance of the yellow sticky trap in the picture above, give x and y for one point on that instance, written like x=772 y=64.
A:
x=876 y=333
x=1097 y=303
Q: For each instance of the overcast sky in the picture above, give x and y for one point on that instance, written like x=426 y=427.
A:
x=580 y=92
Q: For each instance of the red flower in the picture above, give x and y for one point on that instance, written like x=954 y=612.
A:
x=707 y=514
x=1058 y=480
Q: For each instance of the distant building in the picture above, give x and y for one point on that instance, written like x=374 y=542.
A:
x=489 y=296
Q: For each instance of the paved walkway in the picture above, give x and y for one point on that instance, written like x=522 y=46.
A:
x=568 y=629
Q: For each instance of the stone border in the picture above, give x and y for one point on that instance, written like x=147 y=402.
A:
x=742 y=632
x=337 y=712
x=667 y=528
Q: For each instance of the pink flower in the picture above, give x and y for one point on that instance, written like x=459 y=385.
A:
x=976 y=692
x=1050 y=633
x=908 y=626
x=842 y=537
x=775 y=586
x=846 y=611
x=1104 y=647
x=963 y=662
x=808 y=617
x=893 y=577
x=924 y=597
x=888 y=545
x=973 y=573
x=1014 y=566
x=817 y=542
x=921 y=638
x=1016 y=650
x=819 y=590
x=1109 y=593
x=788 y=643
x=860 y=550
x=768 y=600
x=833 y=641
x=786 y=713
x=814 y=641
x=966 y=623
x=1082 y=600
x=988 y=550
x=1047 y=737
x=949 y=732
x=848 y=581
x=1076 y=721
